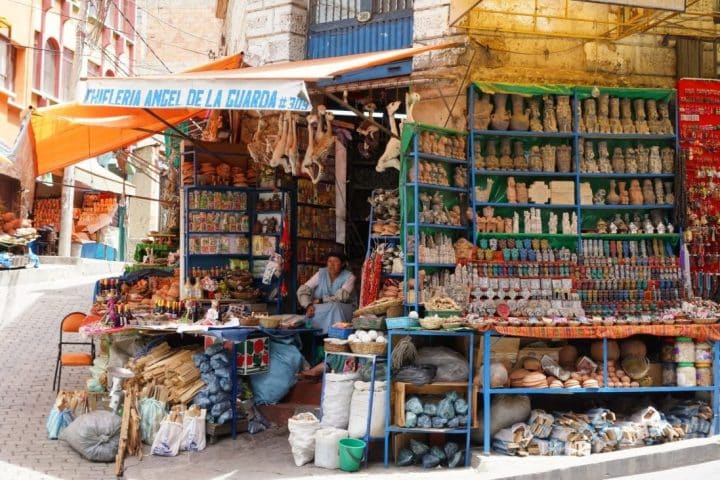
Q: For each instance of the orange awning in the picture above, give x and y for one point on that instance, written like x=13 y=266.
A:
x=62 y=135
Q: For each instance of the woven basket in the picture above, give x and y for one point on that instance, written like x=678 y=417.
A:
x=453 y=324
x=704 y=321
x=636 y=367
x=341 y=333
x=249 y=321
x=378 y=309
x=270 y=322
x=368 y=323
x=368 y=348
x=431 y=323
x=331 y=346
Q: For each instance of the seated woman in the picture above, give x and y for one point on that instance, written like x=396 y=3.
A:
x=328 y=296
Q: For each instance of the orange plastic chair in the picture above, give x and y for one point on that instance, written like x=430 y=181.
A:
x=71 y=324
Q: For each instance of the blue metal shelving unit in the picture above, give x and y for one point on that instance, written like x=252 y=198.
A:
x=487 y=393
x=390 y=429
x=375 y=359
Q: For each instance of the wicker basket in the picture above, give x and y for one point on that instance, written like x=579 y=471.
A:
x=378 y=309
x=368 y=348
x=704 y=321
x=395 y=311
x=444 y=313
x=431 y=323
x=335 y=347
x=453 y=324
x=368 y=323
x=249 y=321
x=270 y=322
x=636 y=367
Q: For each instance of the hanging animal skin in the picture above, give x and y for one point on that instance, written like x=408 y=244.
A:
x=319 y=144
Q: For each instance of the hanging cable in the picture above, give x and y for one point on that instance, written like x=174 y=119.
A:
x=142 y=39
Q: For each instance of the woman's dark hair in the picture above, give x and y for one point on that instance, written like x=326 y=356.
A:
x=337 y=254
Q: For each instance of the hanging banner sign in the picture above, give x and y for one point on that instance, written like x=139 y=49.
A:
x=215 y=94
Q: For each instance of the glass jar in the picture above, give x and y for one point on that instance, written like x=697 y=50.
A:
x=703 y=374
x=667 y=353
x=703 y=352
x=684 y=350
x=686 y=375
x=669 y=378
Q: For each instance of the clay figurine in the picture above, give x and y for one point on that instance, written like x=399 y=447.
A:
x=483 y=194
x=599 y=197
x=550 y=123
x=641 y=125
x=626 y=121
x=643 y=159
x=601 y=226
x=603 y=158
x=613 y=198
x=631 y=163
x=667 y=157
x=479 y=159
x=590 y=115
x=648 y=192
x=535 y=159
x=590 y=164
x=548 y=158
x=623 y=193
x=511 y=192
x=603 y=120
x=535 y=115
x=615 y=125
x=669 y=196
x=564 y=158
x=506 y=161
x=666 y=127
x=520 y=163
x=564 y=113
x=653 y=118
x=618 y=161
x=655 y=163
x=491 y=160
x=635 y=192
x=659 y=191
x=522 y=193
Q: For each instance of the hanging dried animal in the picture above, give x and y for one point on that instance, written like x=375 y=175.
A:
x=411 y=99
x=210 y=132
x=370 y=133
x=320 y=144
x=259 y=144
x=292 y=152
x=391 y=157
x=286 y=141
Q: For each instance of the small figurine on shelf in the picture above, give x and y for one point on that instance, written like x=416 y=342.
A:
x=425 y=213
x=669 y=196
x=535 y=159
x=618 y=160
x=483 y=194
x=491 y=160
x=483 y=109
x=520 y=163
x=599 y=197
x=648 y=226
x=620 y=224
x=566 y=227
x=653 y=118
x=648 y=192
x=601 y=226
x=506 y=161
x=550 y=123
x=479 y=159
x=520 y=119
x=516 y=223
x=626 y=121
x=613 y=198
x=590 y=115
x=511 y=193
x=455 y=216
x=521 y=192
x=631 y=163
x=564 y=113
x=553 y=223
x=488 y=215
x=604 y=158
x=603 y=120
x=615 y=125
x=590 y=164
x=636 y=193
x=643 y=159
x=564 y=158
x=666 y=126
x=212 y=314
x=548 y=158
x=500 y=118
x=613 y=228
x=641 y=124
x=659 y=192
x=667 y=159
x=535 y=116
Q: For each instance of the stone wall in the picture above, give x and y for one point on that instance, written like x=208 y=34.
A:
x=268 y=31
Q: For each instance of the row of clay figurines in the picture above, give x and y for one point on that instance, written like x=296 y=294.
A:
x=634 y=160
x=649 y=194
x=548 y=158
x=434 y=211
x=443 y=145
x=606 y=115
x=656 y=224
x=489 y=223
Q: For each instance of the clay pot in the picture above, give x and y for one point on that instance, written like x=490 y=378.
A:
x=612 y=197
x=500 y=119
x=483 y=109
x=520 y=119
x=635 y=193
x=623 y=193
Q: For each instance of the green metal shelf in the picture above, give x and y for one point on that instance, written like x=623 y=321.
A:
x=526 y=235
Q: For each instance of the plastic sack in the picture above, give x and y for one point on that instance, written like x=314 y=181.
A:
x=417 y=375
x=424 y=421
x=336 y=399
x=327 y=454
x=439 y=453
x=98 y=371
x=359 y=404
x=450 y=449
x=226 y=416
x=223 y=372
x=453 y=422
x=213 y=386
x=205 y=367
x=168 y=439
x=414 y=405
x=219 y=408
x=219 y=397
x=366 y=371
x=302 y=429
x=199 y=358
x=193 y=434
x=451 y=366
x=430 y=408
x=214 y=349
x=202 y=400
x=456 y=460
x=405 y=458
x=225 y=384
x=152 y=412
x=270 y=387
x=419 y=448
x=505 y=411
x=461 y=406
x=94 y=435
x=207 y=377
x=430 y=461
x=57 y=421
x=439 y=422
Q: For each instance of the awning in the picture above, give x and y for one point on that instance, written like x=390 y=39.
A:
x=65 y=134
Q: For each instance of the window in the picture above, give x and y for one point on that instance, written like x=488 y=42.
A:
x=93 y=70
x=37 y=66
x=67 y=66
x=7 y=64
x=51 y=68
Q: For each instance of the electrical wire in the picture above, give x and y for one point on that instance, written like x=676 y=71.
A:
x=173 y=26
x=142 y=39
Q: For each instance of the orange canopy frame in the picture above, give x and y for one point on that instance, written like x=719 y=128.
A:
x=62 y=135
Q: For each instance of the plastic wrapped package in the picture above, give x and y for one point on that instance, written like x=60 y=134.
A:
x=461 y=406
x=430 y=408
x=214 y=349
x=446 y=408
x=199 y=358
x=359 y=404
x=57 y=421
x=439 y=422
x=416 y=374
x=152 y=412
x=430 y=461
x=223 y=372
x=419 y=448
x=285 y=361
x=94 y=435
x=414 y=405
x=205 y=367
x=410 y=420
x=451 y=366
x=424 y=421
x=405 y=458
x=217 y=409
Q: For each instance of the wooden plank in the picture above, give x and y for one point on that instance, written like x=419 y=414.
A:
x=124 y=427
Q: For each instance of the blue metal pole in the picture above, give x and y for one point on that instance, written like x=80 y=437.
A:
x=387 y=396
x=486 y=392
x=471 y=393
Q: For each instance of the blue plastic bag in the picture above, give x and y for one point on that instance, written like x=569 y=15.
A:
x=223 y=372
x=219 y=408
x=205 y=367
x=213 y=386
x=199 y=358
x=214 y=349
x=220 y=360
x=225 y=384
x=285 y=361
x=57 y=421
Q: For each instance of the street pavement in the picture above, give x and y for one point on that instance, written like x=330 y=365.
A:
x=29 y=324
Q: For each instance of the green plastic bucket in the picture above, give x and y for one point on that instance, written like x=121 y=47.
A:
x=352 y=454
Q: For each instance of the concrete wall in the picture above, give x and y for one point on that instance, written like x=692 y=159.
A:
x=143 y=214
x=268 y=31
x=183 y=33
